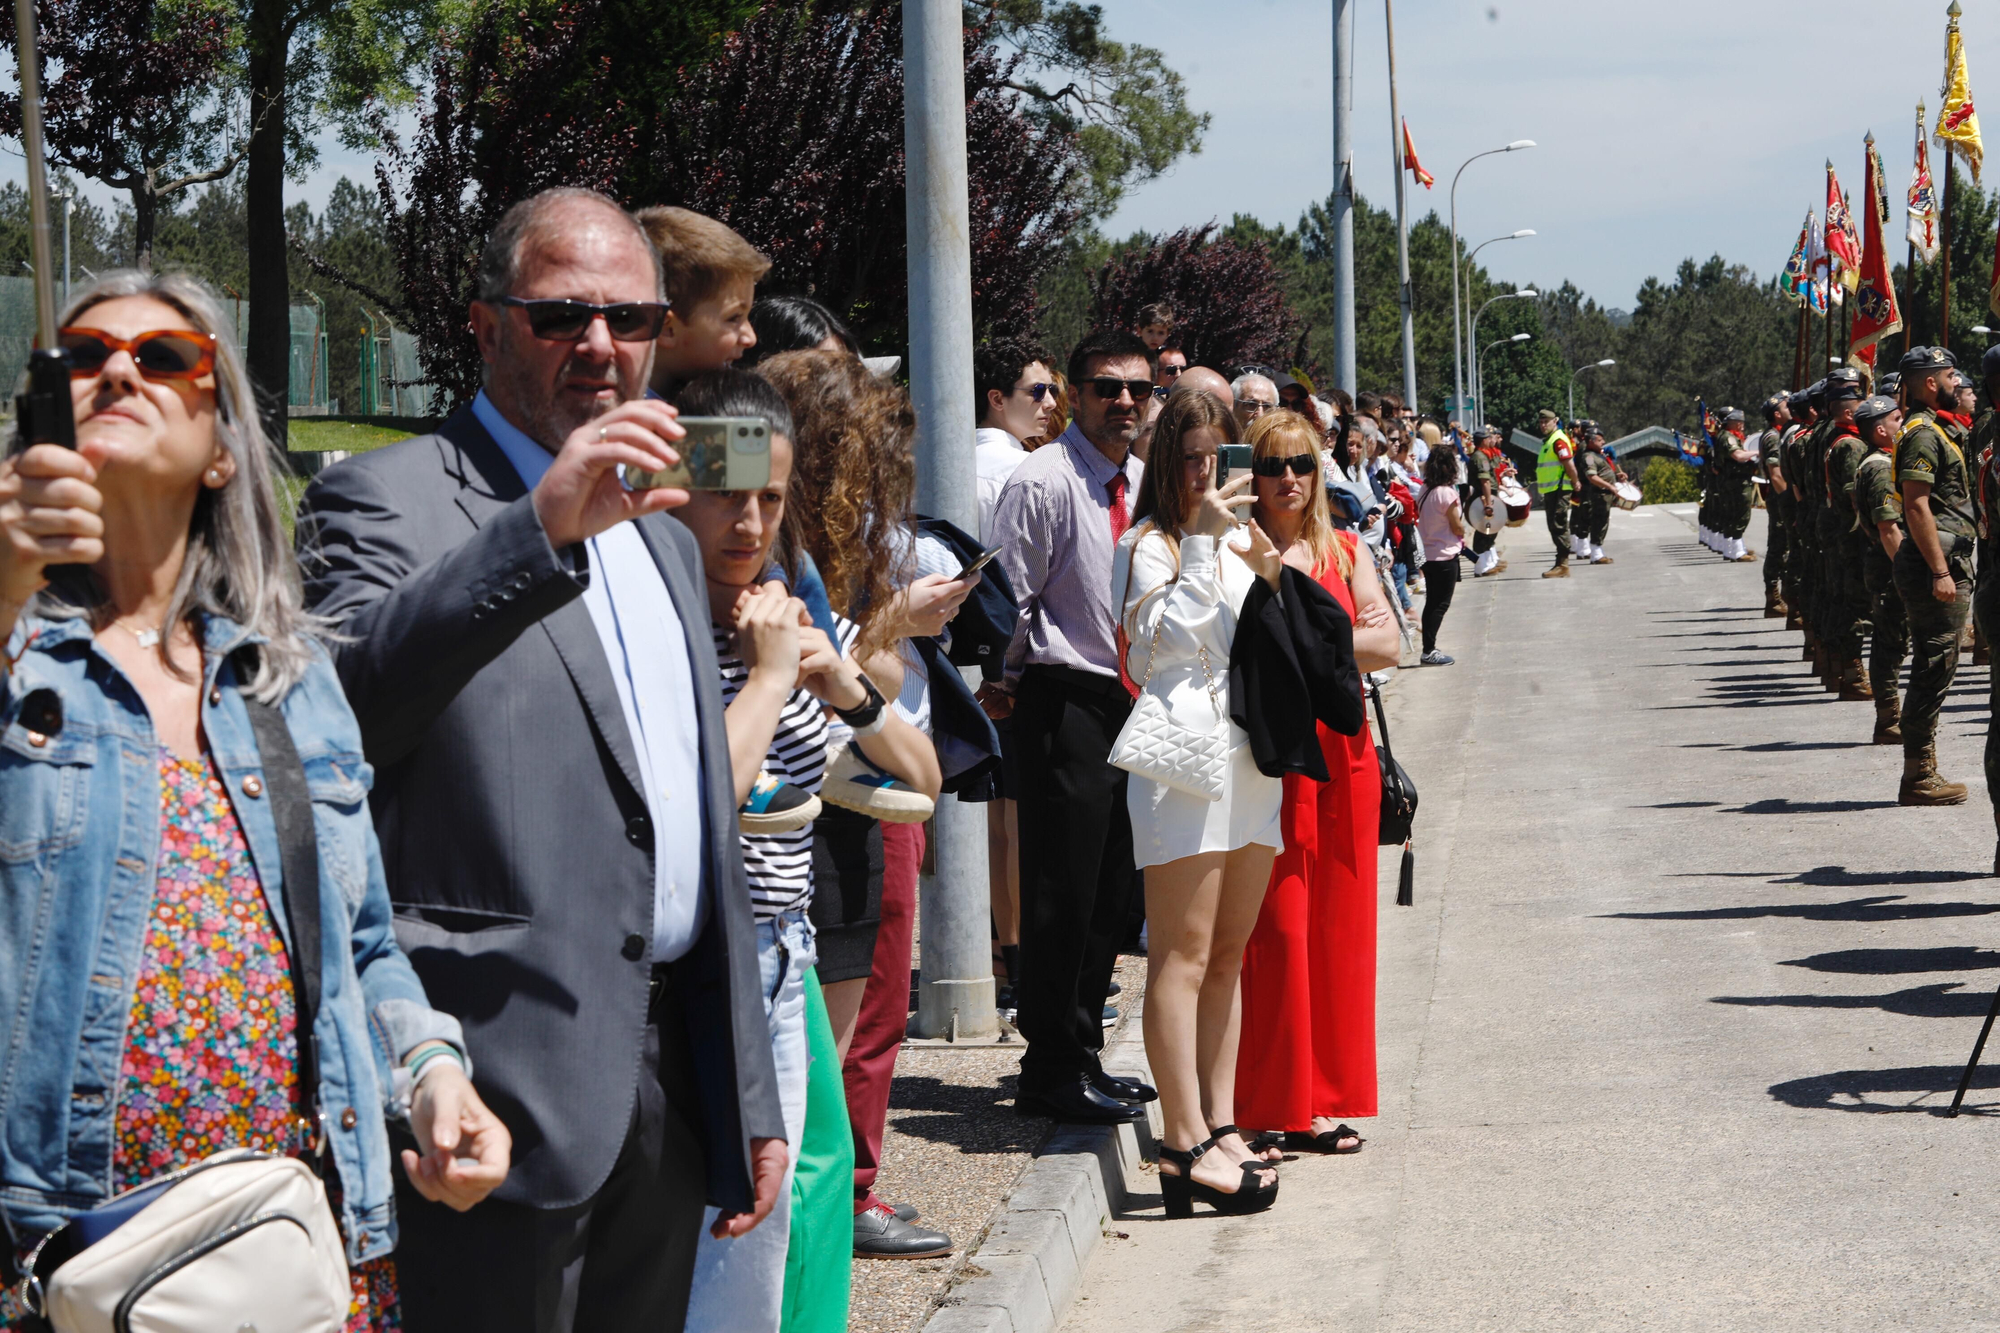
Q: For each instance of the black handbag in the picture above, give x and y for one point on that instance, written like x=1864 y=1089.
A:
x=1399 y=807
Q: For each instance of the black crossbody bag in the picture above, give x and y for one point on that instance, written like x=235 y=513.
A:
x=1399 y=807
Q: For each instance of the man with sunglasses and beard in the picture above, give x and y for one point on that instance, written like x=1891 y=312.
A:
x=1058 y=519
x=525 y=642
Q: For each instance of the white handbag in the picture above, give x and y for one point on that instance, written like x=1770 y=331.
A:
x=240 y=1239
x=1154 y=746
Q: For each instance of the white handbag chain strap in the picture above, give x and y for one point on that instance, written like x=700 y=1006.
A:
x=1153 y=649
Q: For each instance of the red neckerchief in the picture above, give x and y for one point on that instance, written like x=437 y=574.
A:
x=1841 y=428
x=1962 y=422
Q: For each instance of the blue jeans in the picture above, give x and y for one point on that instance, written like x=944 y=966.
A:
x=739 y=1285
x=1401 y=576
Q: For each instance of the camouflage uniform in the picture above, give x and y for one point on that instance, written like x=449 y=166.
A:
x=1933 y=451
x=1843 y=594
x=1777 y=521
x=1877 y=501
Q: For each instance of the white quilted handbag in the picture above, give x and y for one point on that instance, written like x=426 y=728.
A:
x=1153 y=745
x=239 y=1240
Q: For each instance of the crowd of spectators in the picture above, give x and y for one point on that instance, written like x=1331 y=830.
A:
x=615 y=785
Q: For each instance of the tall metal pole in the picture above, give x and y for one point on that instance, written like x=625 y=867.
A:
x=1944 y=254
x=1799 y=355
x=1343 y=197
x=1402 y=221
x=956 y=998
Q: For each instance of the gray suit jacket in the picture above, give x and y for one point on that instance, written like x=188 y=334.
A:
x=514 y=832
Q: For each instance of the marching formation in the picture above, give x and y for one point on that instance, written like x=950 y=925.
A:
x=1881 y=531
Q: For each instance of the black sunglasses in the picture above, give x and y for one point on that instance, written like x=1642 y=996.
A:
x=1171 y=372
x=1109 y=389
x=1299 y=465
x=567 y=321
x=1036 y=391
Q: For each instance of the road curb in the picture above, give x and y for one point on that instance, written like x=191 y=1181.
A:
x=1028 y=1264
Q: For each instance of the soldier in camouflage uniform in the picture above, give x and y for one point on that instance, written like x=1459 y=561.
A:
x=1933 y=566
x=1843 y=595
x=1797 y=551
x=1599 y=476
x=1878 y=512
x=1986 y=586
x=1483 y=505
x=1777 y=504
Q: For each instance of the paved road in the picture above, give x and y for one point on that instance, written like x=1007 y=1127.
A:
x=1663 y=1039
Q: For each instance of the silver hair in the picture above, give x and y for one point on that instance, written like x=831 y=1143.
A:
x=238 y=564
x=500 y=260
x=1237 y=385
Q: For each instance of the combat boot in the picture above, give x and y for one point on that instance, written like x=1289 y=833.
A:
x=1923 y=785
x=1792 y=618
x=1831 y=665
x=1560 y=570
x=1854 y=682
x=1774 y=606
x=1889 y=721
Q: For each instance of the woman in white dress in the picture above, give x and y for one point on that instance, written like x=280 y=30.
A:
x=1181 y=575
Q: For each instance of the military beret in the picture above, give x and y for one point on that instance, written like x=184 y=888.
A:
x=1546 y=415
x=1773 y=403
x=1798 y=402
x=1873 y=409
x=1922 y=360
x=1816 y=393
x=1732 y=414
x=1843 y=384
x=1889 y=383
x=1989 y=364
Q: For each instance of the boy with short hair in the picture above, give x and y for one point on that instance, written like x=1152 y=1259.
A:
x=711 y=278
x=1156 y=324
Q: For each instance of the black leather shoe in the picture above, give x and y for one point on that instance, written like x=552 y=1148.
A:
x=1077 y=1103
x=1125 y=1089
x=880 y=1234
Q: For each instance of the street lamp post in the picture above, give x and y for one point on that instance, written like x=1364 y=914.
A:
x=1595 y=365
x=1457 y=349
x=1478 y=394
x=1472 y=334
x=1478 y=363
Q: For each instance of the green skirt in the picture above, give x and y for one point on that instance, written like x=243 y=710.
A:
x=819 y=1264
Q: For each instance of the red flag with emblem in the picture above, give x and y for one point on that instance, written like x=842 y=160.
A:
x=1876 y=315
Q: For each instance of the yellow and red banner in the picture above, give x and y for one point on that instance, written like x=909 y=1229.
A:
x=1841 y=241
x=1958 y=123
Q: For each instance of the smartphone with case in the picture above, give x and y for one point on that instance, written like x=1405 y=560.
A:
x=719 y=454
x=1229 y=460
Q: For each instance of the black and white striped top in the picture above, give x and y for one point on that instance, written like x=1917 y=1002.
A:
x=779 y=865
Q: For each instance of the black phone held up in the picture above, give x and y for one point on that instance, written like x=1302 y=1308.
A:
x=977 y=563
x=43 y=413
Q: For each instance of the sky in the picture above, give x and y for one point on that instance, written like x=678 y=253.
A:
x=1663 y=131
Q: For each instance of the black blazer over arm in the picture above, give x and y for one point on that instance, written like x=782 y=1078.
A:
x=514 y=832
x=1291 y=664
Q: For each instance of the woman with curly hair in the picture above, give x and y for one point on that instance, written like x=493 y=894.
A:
x=853 y=479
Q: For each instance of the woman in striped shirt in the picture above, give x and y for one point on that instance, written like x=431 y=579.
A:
x=781 y=679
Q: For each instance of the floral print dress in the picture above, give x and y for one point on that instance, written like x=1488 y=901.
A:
x=211 y=1054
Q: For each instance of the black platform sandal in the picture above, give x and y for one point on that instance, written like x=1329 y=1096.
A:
x=1180 y=1191
x=1328 y=1143
x=1258 y=1146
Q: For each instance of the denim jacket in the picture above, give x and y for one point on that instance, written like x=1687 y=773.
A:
x=79 y=841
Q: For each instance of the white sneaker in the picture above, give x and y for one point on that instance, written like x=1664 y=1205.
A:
x=853 y=783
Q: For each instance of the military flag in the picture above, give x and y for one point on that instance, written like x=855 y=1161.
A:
x=1922 y=199
x=1424 y=178
x=1817 y=264
x=1958 y=123
x=1796 y=280
x=1841 y=241
x=1876 y=315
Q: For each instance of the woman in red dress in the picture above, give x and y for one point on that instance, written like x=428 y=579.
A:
x=1308 y=988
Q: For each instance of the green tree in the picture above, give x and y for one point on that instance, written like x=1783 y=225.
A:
x=94 y=243
x=1128 y=110
x=1715 y=332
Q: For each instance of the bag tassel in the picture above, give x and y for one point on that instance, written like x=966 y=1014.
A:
x=1406 y=882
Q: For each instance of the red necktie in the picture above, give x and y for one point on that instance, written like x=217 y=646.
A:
x=1119 y=519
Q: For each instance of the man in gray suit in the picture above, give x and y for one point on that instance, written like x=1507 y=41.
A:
x=527 y=648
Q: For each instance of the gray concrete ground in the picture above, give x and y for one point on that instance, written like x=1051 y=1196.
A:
x=1667 y=1037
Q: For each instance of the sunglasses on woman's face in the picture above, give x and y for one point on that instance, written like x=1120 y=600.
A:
x=567 y=321
x=1299 y=465
x=162 y=354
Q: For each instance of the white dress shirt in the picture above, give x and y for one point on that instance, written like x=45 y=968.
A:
x=646 y=647
x=996 y=454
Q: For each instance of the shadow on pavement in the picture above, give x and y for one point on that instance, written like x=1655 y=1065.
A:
x=973 y=1118
x=1889 y=907
x=1789 y=747
x=1784 y=805
x=1925 y=1089
x=1941 y=999
x=1842 y=878
x=1885 y=962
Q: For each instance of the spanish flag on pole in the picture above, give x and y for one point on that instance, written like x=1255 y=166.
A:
x=1958 y=124
x=1424 y=178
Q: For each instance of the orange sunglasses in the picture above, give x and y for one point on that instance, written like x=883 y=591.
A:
x=161 y=354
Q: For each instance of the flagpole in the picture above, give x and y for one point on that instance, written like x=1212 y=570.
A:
x=1944 y=254
x=1910 y=269
x=1799 y=356
x=1402 y=222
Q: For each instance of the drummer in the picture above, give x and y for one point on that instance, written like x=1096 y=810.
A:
x=1600 y=480
x=1483 y=505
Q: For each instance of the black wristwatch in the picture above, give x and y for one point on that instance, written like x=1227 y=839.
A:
x=864 y=718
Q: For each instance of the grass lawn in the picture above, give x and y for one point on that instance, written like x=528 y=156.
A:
x=354 y=437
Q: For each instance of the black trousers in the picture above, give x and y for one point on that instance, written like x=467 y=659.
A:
x=1076 y=868
x=1440 y=582
x=625 y=1259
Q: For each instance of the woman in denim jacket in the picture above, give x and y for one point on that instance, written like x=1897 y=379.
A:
x=146 y=1008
